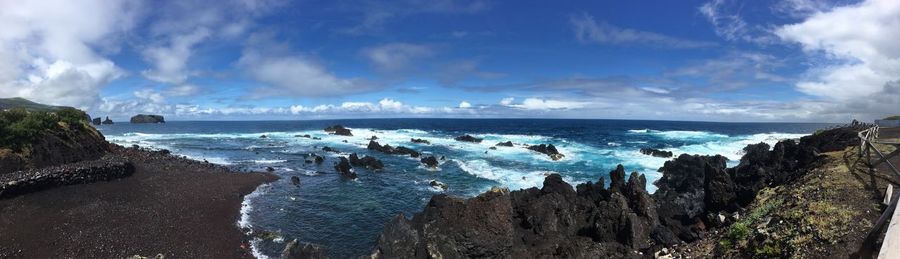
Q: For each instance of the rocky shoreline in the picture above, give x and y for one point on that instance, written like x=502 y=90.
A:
x=697 y=194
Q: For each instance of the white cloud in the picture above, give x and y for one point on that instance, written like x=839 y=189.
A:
x=589 y=31
x=183 y=90
x=863 y=54
x=396 y=56
x=170 y=61
x=729 y=24
x=296 y=76
x=507 y=101
x=49 y=50
x=465 y=105
x=542 y=104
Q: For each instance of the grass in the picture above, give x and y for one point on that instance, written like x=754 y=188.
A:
x=19 y=127
x=895 y=117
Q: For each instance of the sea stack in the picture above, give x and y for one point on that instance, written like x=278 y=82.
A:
x=145 y=118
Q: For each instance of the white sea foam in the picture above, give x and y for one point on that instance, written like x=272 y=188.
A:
x=506 y=177
x=269 y=161
x=244 y=221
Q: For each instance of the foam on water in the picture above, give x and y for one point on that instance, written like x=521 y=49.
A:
x=244 y=221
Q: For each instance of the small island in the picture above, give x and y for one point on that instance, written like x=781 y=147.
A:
x=145 y=118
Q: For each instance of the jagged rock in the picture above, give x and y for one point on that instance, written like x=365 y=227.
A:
x=106 y=168
x=430 y=161
x=468 y=138
x=144 y=118
x=387 y=149
x=420 y=141
x=270 y=169
x=437 y=184
x=107 y=121
x=330 y=149
x=339 y=130
x=367 y=162
x=373 y=138
x=263 y=136
x=505 y=144
x=343 y=167
x=96 y=121
x=303 y=136
x=555 y=221
x=299 y=250
x=548 y=150
x=681 y=194
x=656 y=152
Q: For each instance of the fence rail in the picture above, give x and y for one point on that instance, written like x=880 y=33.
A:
x=867 y=140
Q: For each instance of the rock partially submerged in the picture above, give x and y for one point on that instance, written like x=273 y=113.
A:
x=547 y=149
x=387 y=149
x=313 y=158
x=656 y=152
x=338 y=130
x=438 y=185
x=147 y=118
x=301 y=250
x=107 y=121
x=367 y=162
x=420 y=141
x=505 y=144
x=330 y=149
x=430 y=161
x=343 y=167
x=552 y=222
x=96 y=121
x=468 y=138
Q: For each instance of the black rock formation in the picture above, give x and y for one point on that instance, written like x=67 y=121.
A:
x=367 y=162
x=295 y=180
x=420 y=141
x=505 y=144
x=387 y=149
x=299 y=250
x=656 y=152
x=144 y=118
x=430 y=161
x=96 y=121
x=548 y=150
x=107 y=121
x=468 y=138
x=330 y=149
x=343 y=167
x=338 y=130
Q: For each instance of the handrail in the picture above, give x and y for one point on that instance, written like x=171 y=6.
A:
x=866 y=146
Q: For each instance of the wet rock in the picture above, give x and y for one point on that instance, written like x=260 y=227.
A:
x=430 y=161
x=300 y=250
x=295 y=180
x=656 y=152
x=420 y=141
x=373 y=138
x=263 y=136
x=303 y=136
x=439 y=185
x=343 y=167
x=270 y=169
x=468 y=138
x=387 y=149
x=338 y=130
x=367 y=162
x=330 y=149
x=548 y=150
x=505 y=144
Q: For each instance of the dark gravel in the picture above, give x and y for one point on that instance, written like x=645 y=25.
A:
x=172 y=206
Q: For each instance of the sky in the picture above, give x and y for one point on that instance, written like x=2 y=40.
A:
x=718 y=60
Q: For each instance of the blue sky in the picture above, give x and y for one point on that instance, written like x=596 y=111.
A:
x=718 y=60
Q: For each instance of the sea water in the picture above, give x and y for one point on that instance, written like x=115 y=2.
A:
x=346 y=216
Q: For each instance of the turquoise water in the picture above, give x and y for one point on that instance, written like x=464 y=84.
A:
x=347 y=215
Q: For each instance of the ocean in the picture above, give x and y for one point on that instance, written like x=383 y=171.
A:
x=346 y=216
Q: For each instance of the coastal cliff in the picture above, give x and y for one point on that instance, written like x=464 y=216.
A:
x=696 y=197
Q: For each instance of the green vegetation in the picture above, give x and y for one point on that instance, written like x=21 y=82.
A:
x=19 y=126
x=895 y=117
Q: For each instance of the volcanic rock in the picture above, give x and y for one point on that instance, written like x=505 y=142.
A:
x=468 y=138
x=299 y=250
x=338 y=130
x=430 y=161
x=144 y=118
x=548 y=150
x=343 y=167
x=367 y=162
x=107 y=121
x=420 y=141
x=656 y=152
x=505 y=144
x=437 y=184
x=96 y=121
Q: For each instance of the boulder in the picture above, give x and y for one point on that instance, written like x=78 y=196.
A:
x=270 y=169
x=107 y=121
x=439 y=185
x=145 y=118
x=505 y=144
x=468 y=138
x=430 y=161
x=343 y=167
x=420 y=141
x=263 y=136
x=295 y=180
x=548 y=150
x=656 y=152
x=367 y=162
x=330 y=149
x=338 y=130
x=299 y=250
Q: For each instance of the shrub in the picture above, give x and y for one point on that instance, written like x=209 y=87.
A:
x=19 y=127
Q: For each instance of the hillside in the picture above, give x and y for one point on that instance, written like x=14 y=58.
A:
x=18 y=102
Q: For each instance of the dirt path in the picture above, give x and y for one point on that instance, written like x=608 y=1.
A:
x=170 y=206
